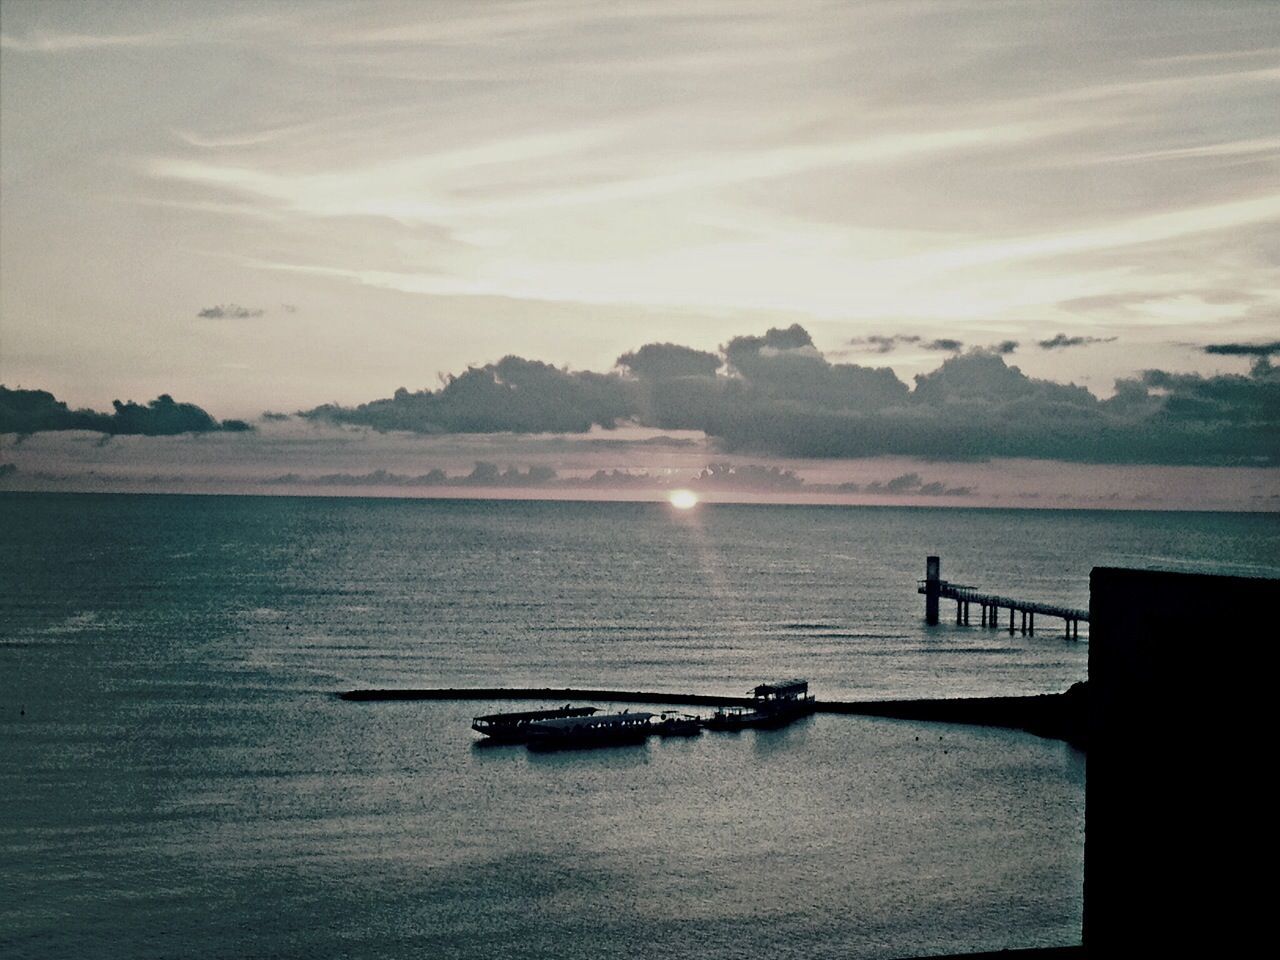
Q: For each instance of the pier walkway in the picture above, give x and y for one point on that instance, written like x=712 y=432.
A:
x=935 y=588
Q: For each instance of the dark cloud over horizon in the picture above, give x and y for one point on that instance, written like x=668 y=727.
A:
x=1244 y=349
x=780 y=396
x=230 y=311
x=484 y=474
x=883 y=343
x=913 y=483
x=887 y=343
x=715 y=477
x=1060 y=340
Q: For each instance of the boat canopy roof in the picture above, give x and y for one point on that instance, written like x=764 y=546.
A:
x=529 y=716
x=604 y=719
x=782 y=688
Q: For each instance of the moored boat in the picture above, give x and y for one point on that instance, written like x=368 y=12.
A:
x=601 y=730
x=784 y=699
x=773 y=705
x=515 y=727
x=736 y=718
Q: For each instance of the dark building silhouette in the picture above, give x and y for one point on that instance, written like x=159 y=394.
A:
x=1179 y=810
x=1179 y=804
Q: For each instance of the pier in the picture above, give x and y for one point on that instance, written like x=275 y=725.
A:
x=990 y=605
x=1059 y=716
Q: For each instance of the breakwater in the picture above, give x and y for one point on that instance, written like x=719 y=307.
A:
x=543 y=693
x=1059 y=716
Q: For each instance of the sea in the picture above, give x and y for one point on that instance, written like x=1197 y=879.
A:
x=179 y=779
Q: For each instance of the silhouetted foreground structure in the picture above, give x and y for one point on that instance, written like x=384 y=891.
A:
x=935 y=588
x=1179 y=810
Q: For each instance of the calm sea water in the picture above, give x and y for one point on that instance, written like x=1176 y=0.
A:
x=177 y=779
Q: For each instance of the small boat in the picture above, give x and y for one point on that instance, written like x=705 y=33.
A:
x=672 y=724
x=515 y=727
x=601 y=730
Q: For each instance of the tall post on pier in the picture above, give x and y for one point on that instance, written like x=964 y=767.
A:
x=932 y=585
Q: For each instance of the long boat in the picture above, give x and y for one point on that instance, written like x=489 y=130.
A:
x=601 y=730
x=515 y=727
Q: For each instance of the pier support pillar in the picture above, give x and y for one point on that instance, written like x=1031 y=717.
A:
x=1011 y=621
x=1031 y=624
x=932 y=586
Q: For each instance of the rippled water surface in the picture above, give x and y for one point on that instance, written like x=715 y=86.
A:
x=177 y=779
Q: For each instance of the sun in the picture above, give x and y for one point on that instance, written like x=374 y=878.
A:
x=683 y=499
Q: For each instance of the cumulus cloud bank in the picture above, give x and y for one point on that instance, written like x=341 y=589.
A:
x=778 y=395
x=513 y=395
x=35 y=411
x=667 y=360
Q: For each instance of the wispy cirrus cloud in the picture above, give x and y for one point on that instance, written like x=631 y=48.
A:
x=1111 y=234
x=398 y=190
x=46 y=42
x=1256 y=147
x=598 y=166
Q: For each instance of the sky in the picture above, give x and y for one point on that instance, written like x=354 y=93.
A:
x=274 y=206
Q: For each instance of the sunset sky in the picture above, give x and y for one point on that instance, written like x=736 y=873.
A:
x=271 y=206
